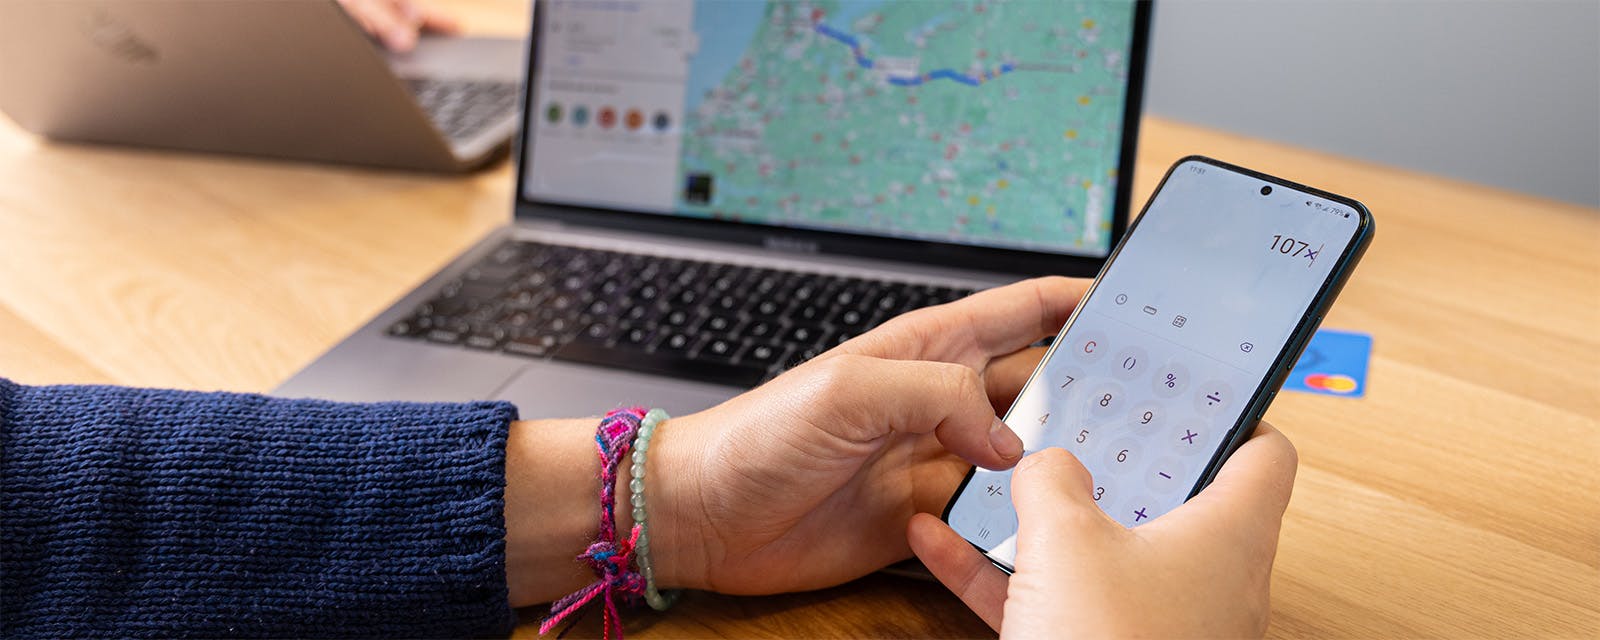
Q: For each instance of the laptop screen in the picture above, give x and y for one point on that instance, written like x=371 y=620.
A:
x=989 y=123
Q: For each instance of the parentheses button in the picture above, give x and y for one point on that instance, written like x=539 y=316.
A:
x=1130 y=362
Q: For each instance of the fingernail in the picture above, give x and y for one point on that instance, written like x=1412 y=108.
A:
x=1004 y=440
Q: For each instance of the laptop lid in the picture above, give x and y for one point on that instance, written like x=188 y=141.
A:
x=990 y=135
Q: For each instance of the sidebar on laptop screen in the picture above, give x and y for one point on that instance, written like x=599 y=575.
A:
x=993 y=123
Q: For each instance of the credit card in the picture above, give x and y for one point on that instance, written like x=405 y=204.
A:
x=1334 y=363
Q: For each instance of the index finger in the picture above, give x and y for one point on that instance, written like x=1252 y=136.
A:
x=979 y=327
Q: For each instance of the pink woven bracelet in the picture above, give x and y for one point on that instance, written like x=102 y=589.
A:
x=611 y=559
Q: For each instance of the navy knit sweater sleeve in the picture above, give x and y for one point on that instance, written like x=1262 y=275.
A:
x=135 y=512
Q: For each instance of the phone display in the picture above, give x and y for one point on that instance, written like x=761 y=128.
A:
x=1173 y=355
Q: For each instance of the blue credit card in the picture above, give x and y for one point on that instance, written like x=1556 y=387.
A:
x=1334 y=363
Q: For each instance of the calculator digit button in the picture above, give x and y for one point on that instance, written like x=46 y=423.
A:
x=1088 y=346
x=1170 y=380
x=1067 y=380
x=1123 y=456
x=1213 y=397
x=1106 y=400
x=1129 y=363
x=1105 y=496
x=1147 y=417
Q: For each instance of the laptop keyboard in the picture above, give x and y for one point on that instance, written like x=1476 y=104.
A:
x=721 y=323
x=462 y=109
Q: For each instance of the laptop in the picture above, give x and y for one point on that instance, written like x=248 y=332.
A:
x=291 y=79
x=710 y=192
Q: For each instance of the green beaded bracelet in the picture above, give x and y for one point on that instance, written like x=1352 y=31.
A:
x=641 y=445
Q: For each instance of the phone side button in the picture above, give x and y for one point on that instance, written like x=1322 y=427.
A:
x=1261 y=414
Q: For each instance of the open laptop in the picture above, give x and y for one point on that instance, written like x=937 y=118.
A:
x=712 y=191
x=294 y=79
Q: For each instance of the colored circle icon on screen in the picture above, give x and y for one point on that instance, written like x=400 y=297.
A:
x=607 y=118
x=552 y=113
x=635 y=119
x=1334 y=382
x=580 y=115
x=662 y=121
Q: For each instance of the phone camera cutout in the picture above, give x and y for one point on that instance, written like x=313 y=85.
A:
x=1266 y=190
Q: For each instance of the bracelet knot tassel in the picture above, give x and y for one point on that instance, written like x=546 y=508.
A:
x=612 y=559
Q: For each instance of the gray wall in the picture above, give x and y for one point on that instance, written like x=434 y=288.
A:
x=1504 y=93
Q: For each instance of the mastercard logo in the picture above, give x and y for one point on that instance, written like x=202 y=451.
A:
x=1332 y=382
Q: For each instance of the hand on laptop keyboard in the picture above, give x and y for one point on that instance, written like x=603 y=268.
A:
x=838 y=453
x=396 y=23
x=720 y=323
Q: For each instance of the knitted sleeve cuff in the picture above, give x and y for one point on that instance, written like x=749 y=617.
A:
x=137 y=512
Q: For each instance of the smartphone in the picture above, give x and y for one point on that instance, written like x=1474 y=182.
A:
x=1179 y=346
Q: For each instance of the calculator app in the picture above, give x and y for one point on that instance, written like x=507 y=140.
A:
x=1163 y=357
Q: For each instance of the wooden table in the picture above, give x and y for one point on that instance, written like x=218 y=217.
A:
x=1459 y=498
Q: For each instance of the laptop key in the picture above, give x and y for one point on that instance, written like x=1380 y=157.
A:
x=765 y=355
x=760 y=329
x=721 y=324
x=719 y=350
x=809 y=314
x=678 y=318
x=537 y=345
x=852 y=319
x=768 y=308
x=444 y=336
x=806 y=334
x=488 y=339
x=635 y=336
x=676 y=344
x=403 y=328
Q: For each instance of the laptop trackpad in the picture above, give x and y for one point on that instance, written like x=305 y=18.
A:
x=559 y=390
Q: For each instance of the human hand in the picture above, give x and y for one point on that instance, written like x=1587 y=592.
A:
x=397 y=23
x=1201 y=570
x=809 y=480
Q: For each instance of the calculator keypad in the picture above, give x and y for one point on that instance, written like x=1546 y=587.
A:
x=1143 y=413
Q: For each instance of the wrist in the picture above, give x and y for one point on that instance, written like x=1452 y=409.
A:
x=551 y=507
x=679 y=546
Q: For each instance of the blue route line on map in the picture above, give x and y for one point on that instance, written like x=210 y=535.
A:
x=937 y=74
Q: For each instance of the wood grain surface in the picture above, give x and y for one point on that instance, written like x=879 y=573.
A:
x=1459 y=498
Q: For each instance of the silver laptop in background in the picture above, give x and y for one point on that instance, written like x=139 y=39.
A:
x=290 y=79
x=712 y=191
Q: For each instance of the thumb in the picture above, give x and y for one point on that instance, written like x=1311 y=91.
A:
x=1054 y=496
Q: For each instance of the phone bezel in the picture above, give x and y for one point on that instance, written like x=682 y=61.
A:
x=1282 y=364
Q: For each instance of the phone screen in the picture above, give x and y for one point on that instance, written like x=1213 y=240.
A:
x=1160 y=363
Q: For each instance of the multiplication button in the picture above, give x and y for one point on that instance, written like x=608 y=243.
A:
x=1188 y=437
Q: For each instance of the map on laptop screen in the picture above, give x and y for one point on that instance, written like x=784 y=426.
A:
x=994 y=123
